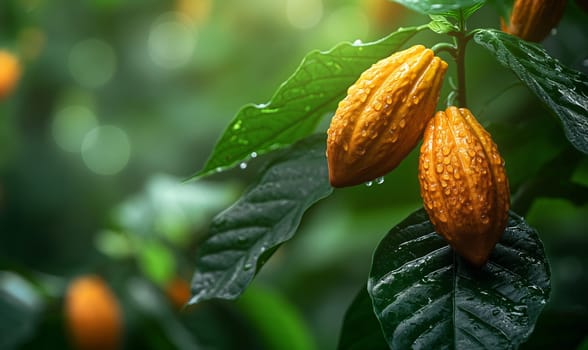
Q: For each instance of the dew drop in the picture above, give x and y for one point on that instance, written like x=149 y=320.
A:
x=402 y=123
x=485 y=219
x=380 y=180
x=247 y=266
x=253 y=154
x=456 y=174
x=439 y=168
x=218 y=169
x=243 y=165
x=394 y=137
x=377 y=106
x=357 y=42
x=446 y=150
x=369 y=183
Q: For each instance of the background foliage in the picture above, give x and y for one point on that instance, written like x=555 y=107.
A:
x=120 y=100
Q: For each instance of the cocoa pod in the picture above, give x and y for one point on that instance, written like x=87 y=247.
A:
x=10 y=71
x=533 y=20
x=92 y=313
x=463 y=183
x=383 y=116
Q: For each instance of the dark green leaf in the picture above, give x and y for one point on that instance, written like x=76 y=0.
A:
x=299 y=104
x=562 y=90
x=17 y=323
x=427 y=297
x=361 y=330
x=243 y=236
x=437 y=7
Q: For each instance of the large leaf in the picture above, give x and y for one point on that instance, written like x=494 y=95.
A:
x=243 y=237
x=563 y=90
x=299 y=104
x=361 y=330
x=433 y=7
x=427 y=297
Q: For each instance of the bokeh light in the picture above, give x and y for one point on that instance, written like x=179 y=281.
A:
x=304 y=14
x=92 y=63
x=346 y=23
x=106 y=150
x=70 y=126
x=172 y=40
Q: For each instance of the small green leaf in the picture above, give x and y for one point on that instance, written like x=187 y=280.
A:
x=437 y=7
x=245 y=235
x=425 y=296
x=361 y=330
x=562 y=90
x=441 y=25
x=299 y=104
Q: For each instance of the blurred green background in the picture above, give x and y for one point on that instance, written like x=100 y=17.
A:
x=119 y=101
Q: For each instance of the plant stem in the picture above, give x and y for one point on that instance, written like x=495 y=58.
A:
x=461 y=40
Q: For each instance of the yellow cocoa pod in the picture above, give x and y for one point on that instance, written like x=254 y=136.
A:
x=93 y=315
x=532 y=20
x=463 y=183
x=383 y=116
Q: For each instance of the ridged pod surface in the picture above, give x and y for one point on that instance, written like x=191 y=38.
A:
x=463 y=183
x=533 y=20
x=383 y=116
x=93 y=315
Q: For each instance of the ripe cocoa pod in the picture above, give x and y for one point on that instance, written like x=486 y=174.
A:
x=178 y=292
x=532 y=20
x=383 y=116
x=9 y=73
x=463 y=183
x=93 y=315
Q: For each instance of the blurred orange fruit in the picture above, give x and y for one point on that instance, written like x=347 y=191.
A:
x=197 y=10
x=178 y=292
x=93 y=315
x=9 y=73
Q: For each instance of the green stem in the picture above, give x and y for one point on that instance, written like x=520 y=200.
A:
x=461 y=40
x=461 y=81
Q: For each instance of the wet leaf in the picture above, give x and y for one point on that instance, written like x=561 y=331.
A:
x=427 y=297
x=361 y=330
x=444 y=7
x=562 y=90
x=245 y=235
x=300 y=103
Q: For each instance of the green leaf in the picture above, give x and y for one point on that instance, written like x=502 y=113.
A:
x=562 y=90
x=441 y=25
x=361 y=330
x=438 y=7
x=425 y=296
x=316 y=87
x=244 y=236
